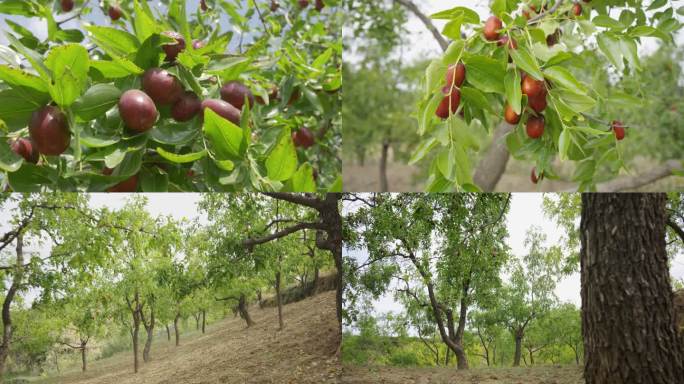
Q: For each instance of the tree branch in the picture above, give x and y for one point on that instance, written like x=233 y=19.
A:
x=305 y=199
x=634 y=182
x=282 y=233
x=543 y=14
x=493 y=164
x=675 y=228
x=426 y=20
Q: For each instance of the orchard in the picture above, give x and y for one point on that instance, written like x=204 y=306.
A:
x=128 y=96
x=519 y=65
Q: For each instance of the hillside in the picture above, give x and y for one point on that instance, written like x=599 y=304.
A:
x=304 y=352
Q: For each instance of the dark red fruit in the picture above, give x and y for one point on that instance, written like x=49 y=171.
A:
x=161 y=86
x=492 y=27
x=49 y=131
x=115 y=12
x=510 y=115
x=187 y=106
x=303 y=137
x=294 y=97
x=532 y=87
x=303 y=3
x=533 y=176
x=452 y=100
x=553 y=38
x=26 y=149
x=137 y=110
x=67 y=5
x=319 y=5
x=535 y=127
x=274 y=5
x=128 y=185
x=203 y=5
x=223 y=109
x=538 y=103
x=618 y=129
x=456 y=75
x=235 y=92
x=172 y=50
x=577 y=9
x=198 y=44
x=505 y=40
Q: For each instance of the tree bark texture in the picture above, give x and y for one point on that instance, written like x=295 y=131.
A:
x=384 y=184
x=6 y=305
x=628 y=319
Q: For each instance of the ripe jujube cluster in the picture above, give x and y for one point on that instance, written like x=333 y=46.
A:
x=455 y=77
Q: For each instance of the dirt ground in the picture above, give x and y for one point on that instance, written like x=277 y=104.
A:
x=304 y=352
x=524 y=375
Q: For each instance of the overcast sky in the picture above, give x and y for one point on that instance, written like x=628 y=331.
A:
x=525 y=211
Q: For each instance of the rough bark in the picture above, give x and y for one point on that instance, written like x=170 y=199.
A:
x=494 y=161
x=427 y=22
x=384 y=184
x=518 y=349
x=135 y=306
x=634 y=182
x=244 y=313
x=175 y=328
x=149 y=328
x=628 y=320
x=7 y=303
x=84 y=362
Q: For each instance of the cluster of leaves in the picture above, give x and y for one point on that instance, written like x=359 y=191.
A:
x=545 y=50
x=291 y=65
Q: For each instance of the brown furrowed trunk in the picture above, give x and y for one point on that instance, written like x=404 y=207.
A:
x=244 y=313
x=279 y=301
x=204 y=320
x=7 y=303
x=384 y=185
x=518 y=349
x=628 y=319
x=175 y=327
x=84 y=364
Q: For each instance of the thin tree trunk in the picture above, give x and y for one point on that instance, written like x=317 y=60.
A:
x=244 y=313
x=204 y=320
x=175 y=327
x=628 y=319
x=6 y=305
x=168 y=332
x=136 y=329
x=84 y=364
x=314 y=283
x=149 y=328
x=279 y=300
x=384 y=185
x=446 y=358
x=518 y=349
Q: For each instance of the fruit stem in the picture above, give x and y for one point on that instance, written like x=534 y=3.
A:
x=543 y=14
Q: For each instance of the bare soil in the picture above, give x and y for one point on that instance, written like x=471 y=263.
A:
x=522 y=375
x=305 y=351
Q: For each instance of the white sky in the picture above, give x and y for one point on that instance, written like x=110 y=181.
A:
x=525 y=211
x=421 y=44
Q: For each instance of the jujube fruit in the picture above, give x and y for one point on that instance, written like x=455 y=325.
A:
x=294 y=96
x=203 y=5
x=223 y=109
x=128 y=185
x=115 y=12
x=303 y=137
x=319 y=5
x=274 y=5
x=161 y=86
x=537 y=103
x=49 y=131
x=187 y=106
x=137 y=110
x=532 y=87
x=535 y=127
x=449 y=103
x=533 y=175
x=26 y=149
x=618 y=129
x=303 y=3
x=172 y=50
x=235 y=92
x=577 y=9
x=456 y=74
x=67 y=5
x=510 y=116
x=492 y=27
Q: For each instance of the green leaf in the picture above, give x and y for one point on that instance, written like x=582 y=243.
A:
x=17 y=7
x=32 y=56
x=112 y=40
x=576 y=101
x=629 y=51
x=656 y=4
x=607 y=22
x=474 y=97
x=153 y=179
x=9 y=161
x=525 y=61
x=184 y=158
x=563 y=78
x=17 y=105
x=498 y=7
x=303 y=180
x=97 y=100
x=452 y=29
x=115 y=70
x=323 y=58
x=469 y=16
x=173 y=133
x=336 y=186
x=445 y=162
x=485 y=73
x=225 y=136
x=513 y=92
x=31 y=178
x=611 y=48
x=281 y=163
x=422 y=150
x=564 y=144
x=19 y=78
x=590 y=130
x=144 y=23
x=69 y=65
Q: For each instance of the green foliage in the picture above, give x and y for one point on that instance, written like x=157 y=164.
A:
x=297 y=53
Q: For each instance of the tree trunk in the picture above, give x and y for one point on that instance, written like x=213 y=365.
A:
x=83 y=357
x=518 y=349
x=6 y=305
x=314 y=283
x=446 y=358
x=628 y=319
x=175 y=327
x=261 y=303
x=168 y=333
x=279 y=300
x=244 y=313
x=134 y=336
x=197 y=320
x=384 y=185
x=150 y=335
x=204 y=320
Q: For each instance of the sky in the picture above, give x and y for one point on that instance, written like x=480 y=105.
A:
x=525 y=211
x=421 y=44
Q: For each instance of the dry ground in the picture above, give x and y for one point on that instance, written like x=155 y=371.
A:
x=393 y=375
x=304 y=352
